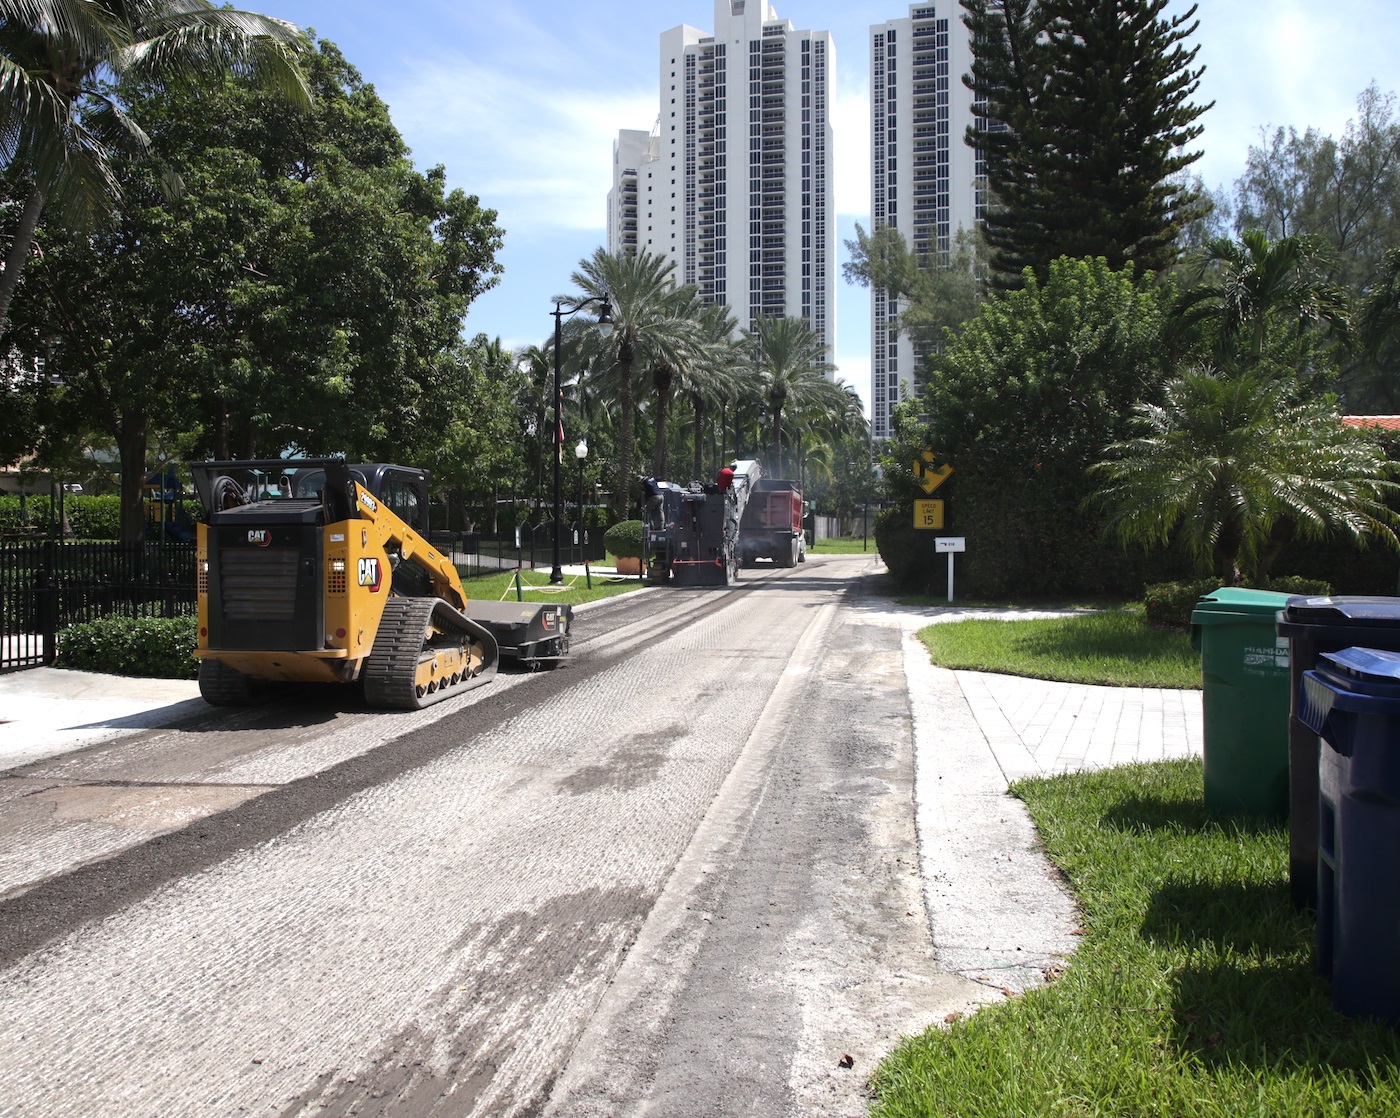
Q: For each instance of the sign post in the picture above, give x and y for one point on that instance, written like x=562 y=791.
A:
x=952 y=545
x=928 y=514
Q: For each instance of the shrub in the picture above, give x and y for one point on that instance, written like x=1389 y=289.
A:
x=898 y=543
x=36 y=509
x=94 y=518
x=155 y=647
x=624 y=539
x=1169 y=604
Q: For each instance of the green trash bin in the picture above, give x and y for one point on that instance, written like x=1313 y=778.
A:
x=1245 y=701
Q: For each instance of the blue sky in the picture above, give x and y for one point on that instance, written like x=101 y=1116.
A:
x=521 y=101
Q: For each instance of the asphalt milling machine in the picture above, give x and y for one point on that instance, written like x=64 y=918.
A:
x=701 y=534
x=319 y=571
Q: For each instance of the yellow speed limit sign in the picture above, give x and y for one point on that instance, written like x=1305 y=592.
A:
x=928 y=514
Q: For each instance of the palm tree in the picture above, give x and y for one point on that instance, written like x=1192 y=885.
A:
x=675 y=363
x=1239 y=466
x=714 y=379
x=831 y=412
x=649 y=327
x=59 y=123
x=1247 y=285
x=790 y=360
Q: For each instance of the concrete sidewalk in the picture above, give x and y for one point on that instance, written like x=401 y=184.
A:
x=48 y=711
x=999 y=911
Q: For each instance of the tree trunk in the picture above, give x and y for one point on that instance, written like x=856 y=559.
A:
x=1284 y=530
x=698 y=404
x=131 y=447
x=624 y=438
x=221 y=448
x=661 y=381
x=1227 y=548
x=777 y=442
x=723 y=429
x=19 y=251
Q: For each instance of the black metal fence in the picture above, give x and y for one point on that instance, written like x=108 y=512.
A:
x=528 y=548
x=47 y=585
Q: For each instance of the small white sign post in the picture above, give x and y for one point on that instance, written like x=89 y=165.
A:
x=951 y=545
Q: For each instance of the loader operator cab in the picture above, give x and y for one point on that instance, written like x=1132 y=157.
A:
x=298 y=489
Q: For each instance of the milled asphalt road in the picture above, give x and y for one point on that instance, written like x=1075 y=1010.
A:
x=949 y=850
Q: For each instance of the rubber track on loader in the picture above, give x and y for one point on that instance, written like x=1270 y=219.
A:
x=391 y=670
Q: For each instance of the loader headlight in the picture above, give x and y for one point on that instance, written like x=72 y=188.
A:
x=338 y=566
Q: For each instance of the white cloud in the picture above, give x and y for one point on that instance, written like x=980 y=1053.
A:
x=855 y=371
x=851 y=123
x=540 y=155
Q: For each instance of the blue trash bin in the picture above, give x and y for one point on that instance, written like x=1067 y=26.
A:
x=1314 y=625
x=1352 y=701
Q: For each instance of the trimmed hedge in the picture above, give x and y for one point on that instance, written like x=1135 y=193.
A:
x=624 y=539
x=1169 y=604
x=153 y=647
x=89 y=518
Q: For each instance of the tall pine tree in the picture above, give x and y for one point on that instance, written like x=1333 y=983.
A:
x=1087 y=112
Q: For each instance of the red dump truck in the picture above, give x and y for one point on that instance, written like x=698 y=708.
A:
x=771 y=524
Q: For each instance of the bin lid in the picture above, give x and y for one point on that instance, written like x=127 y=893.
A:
x=1232 y=602
x=1350 y=681
x=1375 y=669
x=1304 y=612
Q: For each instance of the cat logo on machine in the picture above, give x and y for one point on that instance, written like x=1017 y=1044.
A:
x=369 y=574
x=259 y=537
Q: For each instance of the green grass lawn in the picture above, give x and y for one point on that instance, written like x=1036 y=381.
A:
x=1116 y=647
x=844 y=547
x=535 y=587
x=1194 y=991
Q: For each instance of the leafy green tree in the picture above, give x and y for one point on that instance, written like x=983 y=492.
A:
x=938 y=294
x=306 y=289
x=1238 y=466
x=1021 y=405
x=791 y=368
x=478 y=444
x=847 y=483
x=1088 y=116
x=60 y=125
x=1344 y=190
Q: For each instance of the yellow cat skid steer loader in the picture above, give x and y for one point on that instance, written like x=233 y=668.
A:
x=313 y=570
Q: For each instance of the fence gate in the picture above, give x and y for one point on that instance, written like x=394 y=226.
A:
x=47 y=585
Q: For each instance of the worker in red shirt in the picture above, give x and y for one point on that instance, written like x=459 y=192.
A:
x=725 y=480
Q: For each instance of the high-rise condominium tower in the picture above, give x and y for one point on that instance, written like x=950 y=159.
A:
x=735 y=183
x=925 y=181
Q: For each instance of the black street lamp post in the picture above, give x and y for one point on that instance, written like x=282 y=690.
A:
x=562 y=311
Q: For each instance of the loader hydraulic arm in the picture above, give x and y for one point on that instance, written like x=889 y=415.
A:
x=394 y=535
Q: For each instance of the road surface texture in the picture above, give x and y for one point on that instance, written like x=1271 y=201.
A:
x=679 y=876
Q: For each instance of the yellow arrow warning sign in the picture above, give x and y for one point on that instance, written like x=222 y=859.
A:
x=929 y=476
